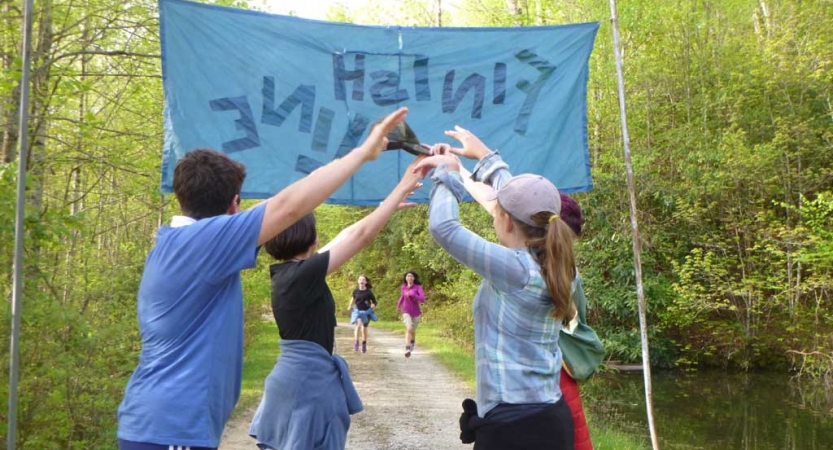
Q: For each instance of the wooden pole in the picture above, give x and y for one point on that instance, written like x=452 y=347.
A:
x=637 y=245
x=19 y=232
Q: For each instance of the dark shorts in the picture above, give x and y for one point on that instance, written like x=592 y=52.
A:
x=130 y=445
x=539 y=428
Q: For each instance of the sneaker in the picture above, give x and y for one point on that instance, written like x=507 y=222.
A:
x=408 y=352
x=364 y=347
x=356 y=346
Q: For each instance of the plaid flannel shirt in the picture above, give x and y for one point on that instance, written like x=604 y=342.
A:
x=516 y=338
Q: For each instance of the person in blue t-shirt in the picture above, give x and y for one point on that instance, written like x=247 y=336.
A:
x=190 y=300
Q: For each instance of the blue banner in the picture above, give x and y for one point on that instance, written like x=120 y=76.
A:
x=285 y=95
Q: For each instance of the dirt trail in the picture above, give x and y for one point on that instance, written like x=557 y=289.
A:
x=409 y=404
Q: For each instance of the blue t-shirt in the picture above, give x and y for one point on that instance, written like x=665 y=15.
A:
x=190 y=306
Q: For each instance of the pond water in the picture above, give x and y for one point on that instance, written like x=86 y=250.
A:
x=717 y=410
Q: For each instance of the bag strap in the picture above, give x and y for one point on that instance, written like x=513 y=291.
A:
x=579 y=299
x=566 y=367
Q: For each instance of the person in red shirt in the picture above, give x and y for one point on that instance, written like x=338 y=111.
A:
x=571 y=215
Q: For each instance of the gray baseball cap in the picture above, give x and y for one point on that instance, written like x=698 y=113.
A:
x=526 y=195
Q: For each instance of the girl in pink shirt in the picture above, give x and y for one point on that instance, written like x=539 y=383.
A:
x=408 y=305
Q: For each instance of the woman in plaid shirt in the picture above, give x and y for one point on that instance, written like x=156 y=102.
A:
x=518 y=308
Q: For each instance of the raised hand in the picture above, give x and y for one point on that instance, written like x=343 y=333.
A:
x=473 y=147
x=408 y=184
x=404 y=204
x=421 y=168
x=377 y=139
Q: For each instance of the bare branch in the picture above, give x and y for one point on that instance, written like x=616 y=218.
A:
x=48 y=63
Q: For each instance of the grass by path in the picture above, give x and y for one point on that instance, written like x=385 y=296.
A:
x=452 y=355
x=259 y=359
x=461 y=361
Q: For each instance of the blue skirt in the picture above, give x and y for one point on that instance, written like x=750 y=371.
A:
x=366 y=316
x=307 y=400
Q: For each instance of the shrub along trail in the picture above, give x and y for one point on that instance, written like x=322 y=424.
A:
x=408 y=403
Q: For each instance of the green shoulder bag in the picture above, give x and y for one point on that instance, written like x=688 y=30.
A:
x=582 y=351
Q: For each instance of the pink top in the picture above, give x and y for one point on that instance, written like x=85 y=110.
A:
x=410 y=300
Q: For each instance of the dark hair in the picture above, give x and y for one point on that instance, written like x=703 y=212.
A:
x=206 y=181
x=416 y=277
x=367 y=283
x=571 y=213
x=551 y=243
x=294 y=240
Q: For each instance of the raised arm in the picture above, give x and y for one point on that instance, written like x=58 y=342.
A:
x=490 y=168
x=355 y=237
x=303 y=196
x=479 y=191
x=500 y=265
x=489 y=174
x=342 y=235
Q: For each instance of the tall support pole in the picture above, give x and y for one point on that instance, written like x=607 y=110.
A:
x=637 y=244
x=17 y=276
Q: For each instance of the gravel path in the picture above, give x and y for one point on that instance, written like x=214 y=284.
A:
x=409 y=404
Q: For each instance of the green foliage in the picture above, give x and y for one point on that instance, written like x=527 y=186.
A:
x=811 y=345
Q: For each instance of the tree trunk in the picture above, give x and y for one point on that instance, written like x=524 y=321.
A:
x=39 y=109
x=516 y=10
x=11 y=104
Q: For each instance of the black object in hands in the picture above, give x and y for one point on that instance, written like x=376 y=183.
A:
x=403 y=137
x=469 y=412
